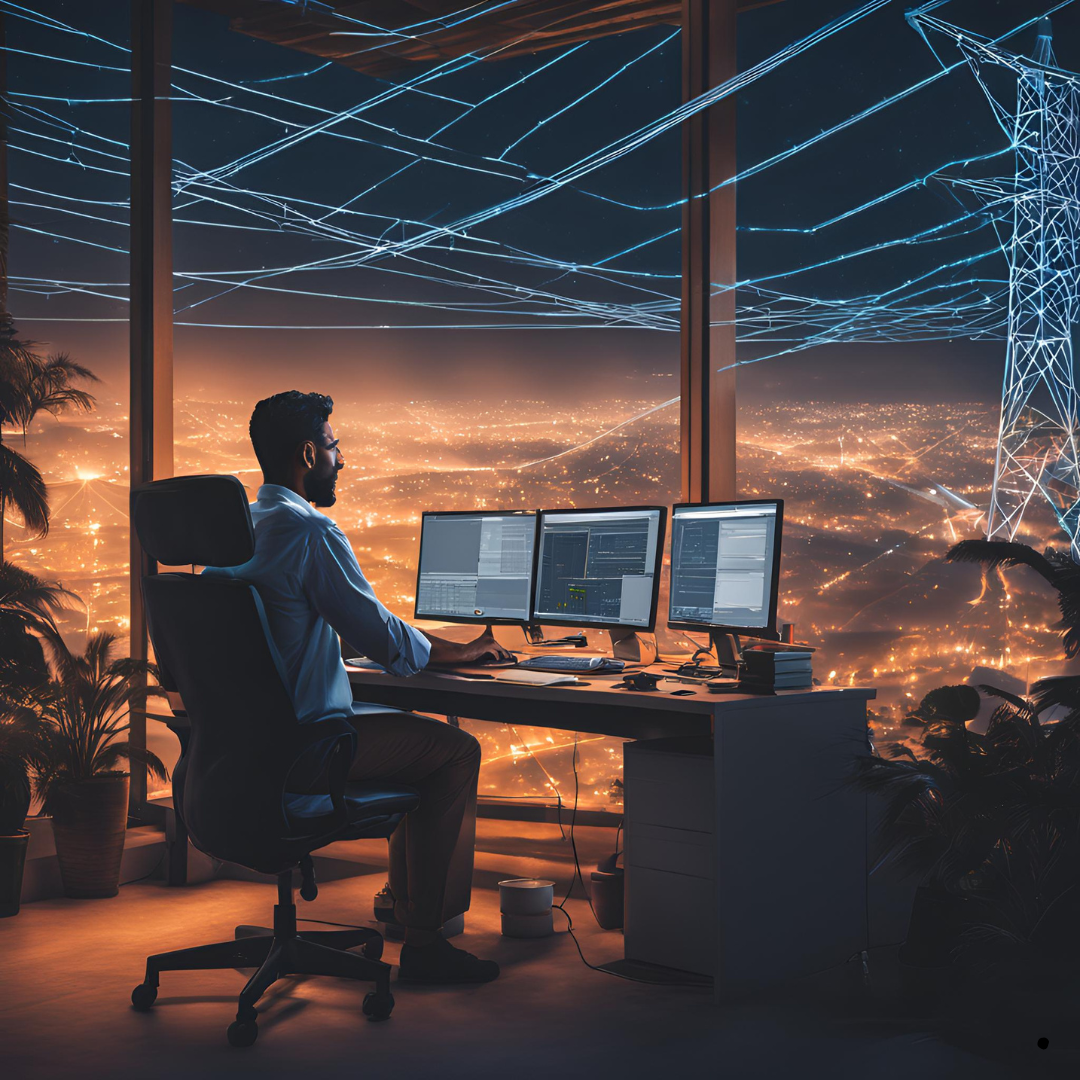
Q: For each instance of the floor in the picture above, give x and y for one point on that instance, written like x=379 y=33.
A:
x=67 y=969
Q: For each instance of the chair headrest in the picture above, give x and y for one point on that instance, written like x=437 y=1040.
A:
x=201 y=520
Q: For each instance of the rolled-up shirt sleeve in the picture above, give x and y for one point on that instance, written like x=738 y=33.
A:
x=338 y=590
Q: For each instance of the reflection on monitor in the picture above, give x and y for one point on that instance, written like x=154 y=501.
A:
x=725 y=562
x=599 y=567
x=476 y=566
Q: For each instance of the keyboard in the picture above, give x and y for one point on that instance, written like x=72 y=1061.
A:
x=596 y=665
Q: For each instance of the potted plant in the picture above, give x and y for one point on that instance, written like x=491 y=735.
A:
x=939 y=817
x=86 y=706
x=20 y=740
x=27 y=608
x=990 y=824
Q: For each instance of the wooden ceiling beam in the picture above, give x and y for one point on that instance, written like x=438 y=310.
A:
x=518 y=29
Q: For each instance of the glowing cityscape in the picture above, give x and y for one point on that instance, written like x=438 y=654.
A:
x=875 y=496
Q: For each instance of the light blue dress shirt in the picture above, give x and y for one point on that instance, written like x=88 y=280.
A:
x=313 y=589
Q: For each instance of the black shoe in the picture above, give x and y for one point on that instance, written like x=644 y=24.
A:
x=440 y=962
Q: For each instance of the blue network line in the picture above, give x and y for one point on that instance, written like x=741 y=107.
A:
x=943 y=302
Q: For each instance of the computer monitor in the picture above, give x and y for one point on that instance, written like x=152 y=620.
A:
x=725 y=567
x=599 y=568
x=476 y=566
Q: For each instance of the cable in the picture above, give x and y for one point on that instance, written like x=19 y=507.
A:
x=327 y=922
x=578 y=877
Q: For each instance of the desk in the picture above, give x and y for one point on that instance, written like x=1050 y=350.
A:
x=790 y=838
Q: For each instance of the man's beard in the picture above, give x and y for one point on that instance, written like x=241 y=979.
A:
x=320 y=489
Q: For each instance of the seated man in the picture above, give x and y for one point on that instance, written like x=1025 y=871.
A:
x=311 y=586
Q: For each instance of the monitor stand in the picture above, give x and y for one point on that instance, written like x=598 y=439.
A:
x=626 y=645
x=727 y=647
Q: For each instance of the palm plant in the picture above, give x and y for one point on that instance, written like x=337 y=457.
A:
x=45 y=385
x=941 y=808
x=31 y=384
x=1056 y=569
x=28 y=606
x=86 y=706
x=21 y=740
x=995 y=817
x=21 y=484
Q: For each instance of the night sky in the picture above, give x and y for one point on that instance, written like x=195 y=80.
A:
x=850 y=71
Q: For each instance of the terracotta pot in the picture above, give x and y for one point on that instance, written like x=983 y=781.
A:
x=89 y=822
x=12 y=861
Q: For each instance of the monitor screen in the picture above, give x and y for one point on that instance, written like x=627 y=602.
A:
x=476 y=566
x=725 y=564
x=599 y=568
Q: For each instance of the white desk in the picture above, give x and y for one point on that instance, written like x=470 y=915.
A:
x=790 y=837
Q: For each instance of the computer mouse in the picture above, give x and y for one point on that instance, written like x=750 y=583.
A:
x=489 y=660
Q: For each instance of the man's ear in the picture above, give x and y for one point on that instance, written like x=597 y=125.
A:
x=307 y=455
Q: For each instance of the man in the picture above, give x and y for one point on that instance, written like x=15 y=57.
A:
x=313 y=590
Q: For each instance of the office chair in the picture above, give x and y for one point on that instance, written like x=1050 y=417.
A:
x=230 y=786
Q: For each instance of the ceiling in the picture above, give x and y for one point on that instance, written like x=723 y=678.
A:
x=432 y=31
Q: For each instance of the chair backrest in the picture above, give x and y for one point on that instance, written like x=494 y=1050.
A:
x=210 y=634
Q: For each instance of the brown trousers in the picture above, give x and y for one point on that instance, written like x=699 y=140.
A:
x=431 y=851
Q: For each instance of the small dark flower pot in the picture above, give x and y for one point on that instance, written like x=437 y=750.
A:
x=607 y=898
x=89 y=822
x=12 y=861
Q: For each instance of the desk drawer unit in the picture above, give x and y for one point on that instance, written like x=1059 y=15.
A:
x=670 y=854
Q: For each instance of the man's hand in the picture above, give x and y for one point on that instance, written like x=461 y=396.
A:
x=481 y=649
x=485 y=647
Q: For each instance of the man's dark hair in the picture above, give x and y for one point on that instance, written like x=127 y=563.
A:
x=279 y=424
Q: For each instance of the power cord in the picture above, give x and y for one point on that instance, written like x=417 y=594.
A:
x=578 y=877
x=343 y=925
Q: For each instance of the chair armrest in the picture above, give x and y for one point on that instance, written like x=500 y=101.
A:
x=338 y=760
x=305 y=736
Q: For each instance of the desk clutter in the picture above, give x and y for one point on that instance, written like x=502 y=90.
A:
x=766 y=669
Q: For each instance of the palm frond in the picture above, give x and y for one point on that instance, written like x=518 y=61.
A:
x=995 y=553
x=1056 y=690
x=1013 y=699
x=21 y=591
x=110 y=757
x=22 y=486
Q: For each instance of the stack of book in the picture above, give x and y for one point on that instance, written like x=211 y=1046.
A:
x=767 y=669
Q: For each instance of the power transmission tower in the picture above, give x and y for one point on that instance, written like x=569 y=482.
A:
x=1037 y=449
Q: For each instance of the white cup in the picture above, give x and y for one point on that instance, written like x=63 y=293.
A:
x=526 y=896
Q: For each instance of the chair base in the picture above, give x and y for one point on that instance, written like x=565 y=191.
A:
x=275 y=954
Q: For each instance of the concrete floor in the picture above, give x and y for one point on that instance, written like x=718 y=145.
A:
x=67 y=969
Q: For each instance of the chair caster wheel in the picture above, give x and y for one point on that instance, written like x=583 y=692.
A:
x=143 y=996
x=378 y=1006
x=373 y=949
x=243 y=1032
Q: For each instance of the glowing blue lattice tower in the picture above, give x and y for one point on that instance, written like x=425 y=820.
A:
x=1037 y=437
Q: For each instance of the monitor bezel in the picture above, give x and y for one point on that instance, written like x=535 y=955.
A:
x=477 y=620
x=585 y=624
x=768 y=631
